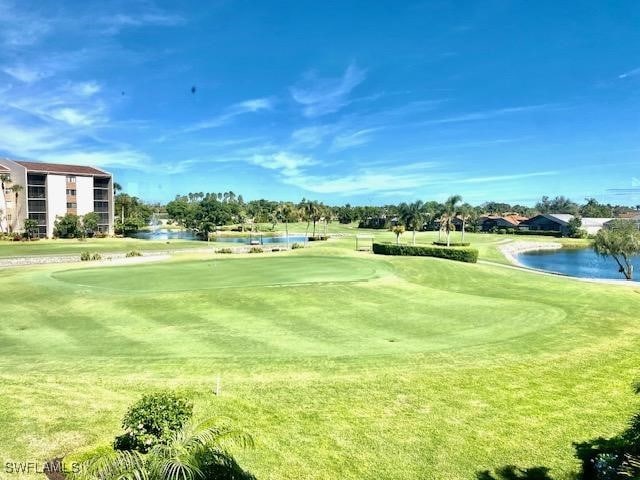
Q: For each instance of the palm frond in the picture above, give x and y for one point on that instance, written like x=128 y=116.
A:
x=116 y=465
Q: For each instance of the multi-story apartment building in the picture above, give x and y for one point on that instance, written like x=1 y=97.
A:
x=51 y=190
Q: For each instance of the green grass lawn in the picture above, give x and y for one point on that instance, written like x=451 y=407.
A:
x=102 y=245
x=340 y=364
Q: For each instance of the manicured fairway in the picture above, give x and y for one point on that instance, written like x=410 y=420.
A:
x=221 y=273
x=341 y=364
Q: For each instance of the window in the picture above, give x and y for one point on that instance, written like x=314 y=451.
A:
x=71 y=191
x=71 y=179
x=72 y=204
x=36 y=192
x=9 y=217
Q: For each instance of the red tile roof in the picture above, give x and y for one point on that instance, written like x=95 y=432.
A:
x=61 y=168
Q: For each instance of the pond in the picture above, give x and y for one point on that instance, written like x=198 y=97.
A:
x=575 y=262
x=167 y=234
x=262 y=239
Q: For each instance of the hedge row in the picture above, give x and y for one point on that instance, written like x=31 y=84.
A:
x=443 y=243
x=469 y=255
x=545 y=233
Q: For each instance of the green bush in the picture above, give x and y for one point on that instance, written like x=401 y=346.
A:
x=256 y=250
x=545 y=233
x=442 y=243
x=296 y=246
x=133 y=253
x=461 y=254
x=85 y=256
x=96 y=256
x=224 y=250
x=152 y=420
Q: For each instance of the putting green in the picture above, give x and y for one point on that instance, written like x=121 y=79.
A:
x=222 y=273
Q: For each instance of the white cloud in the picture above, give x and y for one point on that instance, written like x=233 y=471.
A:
x=107 y=158
x=501 y=178
x=24 y=74
x=240 y=108
x=85 y=89
x=311 y=137
x=320 y=96
x=74 y=117
x=287 y=164
x=487 y=114
x=630 y=73
x=353 y=139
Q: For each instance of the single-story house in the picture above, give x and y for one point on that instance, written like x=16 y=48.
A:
x=559 y=222
x=593 y=225
x=635 y=219
x=556 y=222
x=488 y=223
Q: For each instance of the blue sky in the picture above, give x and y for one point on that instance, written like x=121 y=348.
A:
x=341 y=101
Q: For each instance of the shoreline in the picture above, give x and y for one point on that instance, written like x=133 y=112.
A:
x=512 y=249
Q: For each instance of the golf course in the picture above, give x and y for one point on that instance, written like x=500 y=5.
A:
x=341 y=364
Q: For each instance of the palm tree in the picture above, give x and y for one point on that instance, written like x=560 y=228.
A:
x=413 y=216
x=448 y=216
x=465 y=211
x=398 y=230
x=284 y=212
x=16 y=190
x=4 y=179
x=191 y=453
x=116 y=188
x=312 y=212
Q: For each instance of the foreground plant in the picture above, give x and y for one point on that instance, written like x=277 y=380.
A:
x=621 y=241
x=193 y=452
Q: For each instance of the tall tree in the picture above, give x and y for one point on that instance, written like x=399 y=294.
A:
x=412 y=215
x=465 y=212
x=285 y=212
x=450 y=210
x=5 y=178
x=620 y=241
x=311 y=210
x=16 y=191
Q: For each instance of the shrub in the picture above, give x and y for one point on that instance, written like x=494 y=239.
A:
x=545 y=233
x=133 y=253
x=224 y=250
x=85 y=256
x=17 y=237
x=255 y=250
x=441 y=243
x=152 y=420
x=96 y=256
x=462 y=254
x=296 y=246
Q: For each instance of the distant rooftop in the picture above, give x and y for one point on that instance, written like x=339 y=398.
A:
x=61 y=168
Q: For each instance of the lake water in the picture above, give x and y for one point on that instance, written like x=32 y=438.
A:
x=262 y=239
x=576 y=262
x=166 y=234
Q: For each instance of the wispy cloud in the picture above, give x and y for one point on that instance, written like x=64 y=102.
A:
x=151 y=18
x=287 y=164
x=321 y=96
x=631 y=73
x=311 y=137
x=241 y=108
x=504 y=178
x=353 y=139
x=488 y=114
